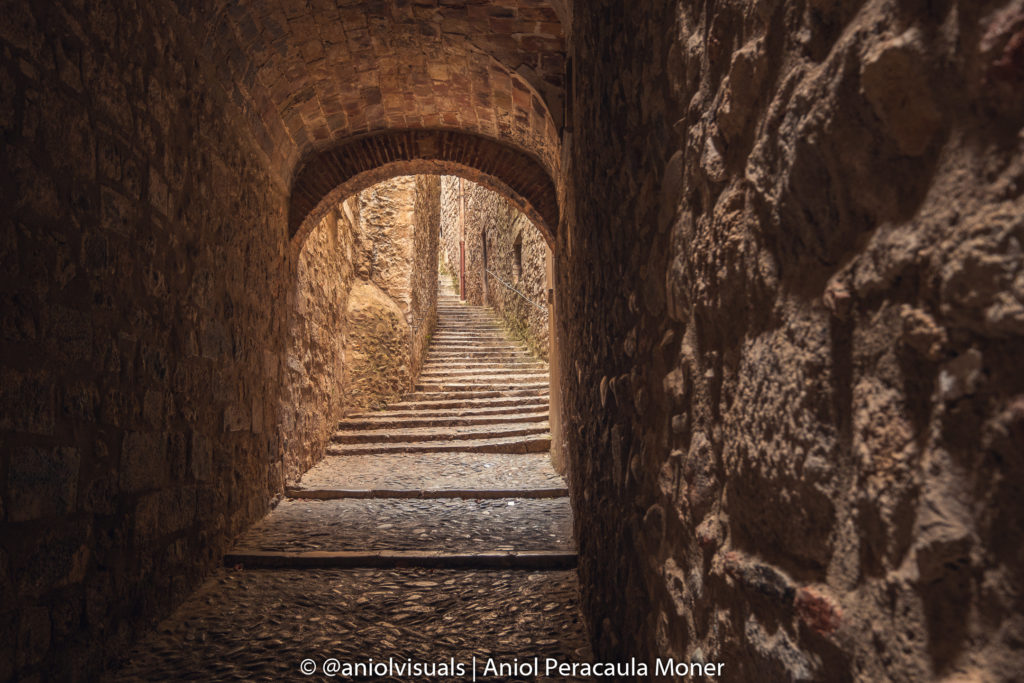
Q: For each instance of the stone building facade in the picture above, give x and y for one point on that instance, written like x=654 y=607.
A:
x=506 y=258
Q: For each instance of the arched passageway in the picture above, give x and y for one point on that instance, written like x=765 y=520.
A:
x=788 y=304
x=355 y=165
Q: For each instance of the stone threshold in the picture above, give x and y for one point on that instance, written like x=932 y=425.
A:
x=385 y=559
x=469 y=494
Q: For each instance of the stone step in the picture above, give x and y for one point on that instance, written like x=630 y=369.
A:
x=490 y=379
x=468 y=329
x=298 y=493
x=444 y=359
x=477 y=356
x=479 y=369
x=474 y=343
x=316 y=559
x=530 y=392
x=473 y=316
x=434 y=471
x=454 y=327
x=444 y=419
x=527 y=382
x=482 y=376
x=488 y=365
x=468 y=339
x=464 y=407
x=455 y=322
x=413 y=524
x=508 y=369
x=460 y=318
x=492 y=431
x=463 y=346
x=508 y=444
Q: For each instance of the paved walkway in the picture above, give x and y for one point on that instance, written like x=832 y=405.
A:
x=432 y=533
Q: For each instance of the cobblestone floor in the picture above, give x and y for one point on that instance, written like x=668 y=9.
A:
x=260 y=625
x=434 y=471
x=439 y=524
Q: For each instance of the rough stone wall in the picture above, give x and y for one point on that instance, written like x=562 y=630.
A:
x=313 y=397
x=490 y=216
x=377 y=348
x=384 y=241
x=792 y=297
x=450 y=228
x=392 y=316
x=143 y=297
x=427 y=217
x=146 y=294
x=526 y=321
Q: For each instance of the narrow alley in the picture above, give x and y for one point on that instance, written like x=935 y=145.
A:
x=677 y=336
x=434 y=531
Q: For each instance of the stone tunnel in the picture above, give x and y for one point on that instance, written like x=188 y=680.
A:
x=785 y=282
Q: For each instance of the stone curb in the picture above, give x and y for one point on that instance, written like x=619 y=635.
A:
x=351 y=559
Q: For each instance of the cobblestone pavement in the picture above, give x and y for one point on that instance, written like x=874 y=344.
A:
x=432 y=471
x=440 y=524
x=477 y=428
x=261 y=624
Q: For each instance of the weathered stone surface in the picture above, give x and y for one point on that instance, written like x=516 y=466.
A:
x=378 y=369
x=425 y=246
x=805 y=216
x=392 y=524
x=314 y=369
x=827 y=195
x=42 y=483
x=515 y=254
x=265 y=623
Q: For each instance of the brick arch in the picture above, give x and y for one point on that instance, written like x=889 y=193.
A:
x=358 y=163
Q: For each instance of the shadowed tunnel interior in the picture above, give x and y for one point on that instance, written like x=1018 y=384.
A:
x=784 y=277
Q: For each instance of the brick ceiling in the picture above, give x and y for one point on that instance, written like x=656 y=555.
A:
x=314 y=74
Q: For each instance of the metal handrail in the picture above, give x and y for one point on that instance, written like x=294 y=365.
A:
x=523 y=296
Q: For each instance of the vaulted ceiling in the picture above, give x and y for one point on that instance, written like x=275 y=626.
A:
x=311 y=75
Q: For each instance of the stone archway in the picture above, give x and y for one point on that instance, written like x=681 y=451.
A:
x=357 y=164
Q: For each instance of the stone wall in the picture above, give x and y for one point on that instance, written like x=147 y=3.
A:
x=155 y=319
x=314 y=396
x=365 y=274
x=394 y=311
x=526 y=321
x=490 y=217
x=144 y=296
x=450 y=230
x=790 y=288
x=426 y=234
x=384 y=240
x=377 y=348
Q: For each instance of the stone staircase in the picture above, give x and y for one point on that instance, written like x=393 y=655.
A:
x=433 y=531
x=456 y=475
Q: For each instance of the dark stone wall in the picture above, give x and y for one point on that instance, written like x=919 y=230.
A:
x=143 y=294
x=161 y=338
x=791 y=297
x=426 y=238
